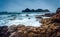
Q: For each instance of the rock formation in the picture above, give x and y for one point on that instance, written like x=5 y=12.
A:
x=33 y=10
x=52 y=24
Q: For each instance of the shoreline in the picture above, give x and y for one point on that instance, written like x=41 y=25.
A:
x=37 y=19
x=50 y=28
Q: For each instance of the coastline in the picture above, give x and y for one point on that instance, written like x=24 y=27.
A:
x=49 y=28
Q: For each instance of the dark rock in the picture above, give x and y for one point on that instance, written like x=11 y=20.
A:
x=29 y=18
x=37 y=10
x=3 y=31
x=27 y=15
x=58 y=10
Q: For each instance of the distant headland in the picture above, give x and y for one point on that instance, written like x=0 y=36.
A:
x=37 y=10
x=5 y=12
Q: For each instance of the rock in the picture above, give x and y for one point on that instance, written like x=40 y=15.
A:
x=12 y=28
x=27 y=15
x=29 y=18
x=3 y=31
x=58 y=11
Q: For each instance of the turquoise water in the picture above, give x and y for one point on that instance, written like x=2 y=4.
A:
x=27 y=19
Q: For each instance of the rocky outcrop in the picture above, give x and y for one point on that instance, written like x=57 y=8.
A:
x=52 y=25
x=47 y=30
x=58 y=11
x=33 y=10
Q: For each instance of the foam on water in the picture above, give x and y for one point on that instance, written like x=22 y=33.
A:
x=20 y=19
x=26 y=22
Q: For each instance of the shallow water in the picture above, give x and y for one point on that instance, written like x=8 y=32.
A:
x=22 y=19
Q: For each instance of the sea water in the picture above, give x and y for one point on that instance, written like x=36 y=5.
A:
x=27 y=19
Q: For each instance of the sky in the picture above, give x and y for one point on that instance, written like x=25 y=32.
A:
x=18 y=5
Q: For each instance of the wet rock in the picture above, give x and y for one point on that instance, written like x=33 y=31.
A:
x=3 y=31
x=27 y=15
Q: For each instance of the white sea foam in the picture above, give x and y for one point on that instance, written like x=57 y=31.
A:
x=26 y=22
x=20 y=19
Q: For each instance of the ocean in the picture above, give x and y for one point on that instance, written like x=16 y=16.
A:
x=27 y=19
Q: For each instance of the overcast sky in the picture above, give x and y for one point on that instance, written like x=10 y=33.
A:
x=18 y=5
